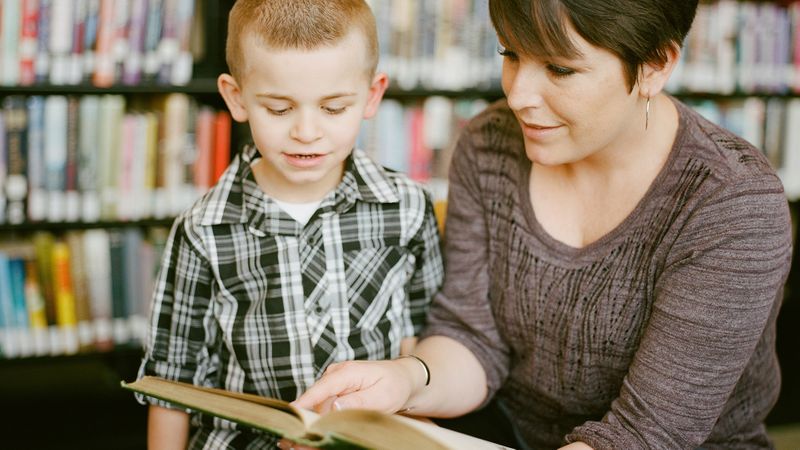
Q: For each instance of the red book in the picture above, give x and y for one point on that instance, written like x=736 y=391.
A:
x=222 y=144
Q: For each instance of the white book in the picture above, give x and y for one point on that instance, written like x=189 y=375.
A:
x=61 y=19
x=791 y=151
x=97 y=255
x=55 y=155
x=9 y=37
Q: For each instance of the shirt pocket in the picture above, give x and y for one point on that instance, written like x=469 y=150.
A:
x=376 y=278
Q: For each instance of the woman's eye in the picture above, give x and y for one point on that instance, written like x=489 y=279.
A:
x=505 y=53
x=560 y=71
x=330 y=110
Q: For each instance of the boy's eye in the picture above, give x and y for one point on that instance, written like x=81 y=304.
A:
x=560 y=71
x=278 y=112
x=334 y=111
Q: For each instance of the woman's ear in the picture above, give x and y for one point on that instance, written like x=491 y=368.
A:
x=376 y=90
x=232 y=94
x=653 y=77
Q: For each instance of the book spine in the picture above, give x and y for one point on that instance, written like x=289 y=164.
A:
x=103 y=75
x=73 y=208
x=66 y=317
x=7 y=345
x=90 y=39
x=27 y=42
x=37 y=315
x=42 y=63
x=119 y=292
x=132 y=68
x=55 y=154
x=97 y=255
x=37 y=187
x=222 y=144
x=21 y=329
x=60 y=45
x=16 y=182
x=9 y=37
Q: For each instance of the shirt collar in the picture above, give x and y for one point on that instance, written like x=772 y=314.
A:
x=236 y=198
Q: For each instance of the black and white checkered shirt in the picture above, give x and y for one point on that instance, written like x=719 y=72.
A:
x=250 y=300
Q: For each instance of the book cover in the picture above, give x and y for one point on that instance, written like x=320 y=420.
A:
x=340 y=429
x=55 y=155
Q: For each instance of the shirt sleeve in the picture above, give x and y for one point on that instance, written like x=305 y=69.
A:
x=461 y=310
x=428 y=272
x=181 y=330
x=716 y=299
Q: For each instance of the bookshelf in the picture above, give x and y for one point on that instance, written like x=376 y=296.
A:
x=442 y=59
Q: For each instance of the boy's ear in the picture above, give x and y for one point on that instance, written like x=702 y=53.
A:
x=232 y=94
x=376 y=90
x=653 y=77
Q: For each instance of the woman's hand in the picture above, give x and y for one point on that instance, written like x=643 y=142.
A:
x=384 y=386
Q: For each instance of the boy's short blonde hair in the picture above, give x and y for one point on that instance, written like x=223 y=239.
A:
x=297 y=24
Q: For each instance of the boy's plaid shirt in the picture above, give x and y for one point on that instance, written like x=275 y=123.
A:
x=249 y=300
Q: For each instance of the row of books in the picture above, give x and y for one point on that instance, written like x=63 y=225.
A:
x=741 y=46
x=417 y=138
x=100 y=41
x=82 y=291
x=437 y=44
x=105 y=157
x=770 y=124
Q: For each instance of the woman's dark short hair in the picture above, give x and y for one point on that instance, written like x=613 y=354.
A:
x=637 y=31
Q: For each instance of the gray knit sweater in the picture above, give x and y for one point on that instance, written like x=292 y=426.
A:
x=658 y=335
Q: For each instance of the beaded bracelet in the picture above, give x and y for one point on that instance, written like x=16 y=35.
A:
x=424 y=366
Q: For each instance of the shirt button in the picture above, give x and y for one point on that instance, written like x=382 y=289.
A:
x=319 y=309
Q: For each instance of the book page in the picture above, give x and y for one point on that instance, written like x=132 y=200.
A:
x=372 y=429
x=252 y=410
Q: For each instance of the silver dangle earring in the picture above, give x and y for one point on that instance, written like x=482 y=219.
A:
x=647 y=114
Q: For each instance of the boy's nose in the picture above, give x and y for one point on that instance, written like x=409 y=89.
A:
x=305 y=129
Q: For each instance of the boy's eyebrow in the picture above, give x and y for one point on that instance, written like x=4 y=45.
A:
x=287 y=98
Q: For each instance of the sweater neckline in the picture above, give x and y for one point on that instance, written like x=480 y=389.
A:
x=590 y=250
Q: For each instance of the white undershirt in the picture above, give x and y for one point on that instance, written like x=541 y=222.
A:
x=300 y=212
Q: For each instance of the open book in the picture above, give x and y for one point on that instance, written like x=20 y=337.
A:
x=351 y=428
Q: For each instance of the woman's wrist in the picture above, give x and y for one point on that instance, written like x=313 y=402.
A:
x=417 y=373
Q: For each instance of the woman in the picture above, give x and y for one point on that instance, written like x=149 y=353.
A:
x=614 y=262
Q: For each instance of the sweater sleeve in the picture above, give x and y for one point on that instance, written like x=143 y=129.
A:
x=461 y=310
x=718 y=293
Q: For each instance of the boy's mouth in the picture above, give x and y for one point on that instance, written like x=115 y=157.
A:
x=303 y=160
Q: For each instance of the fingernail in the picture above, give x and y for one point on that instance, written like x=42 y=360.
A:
x=336 y=405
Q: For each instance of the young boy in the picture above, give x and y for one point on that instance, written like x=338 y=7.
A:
x=305 y=252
